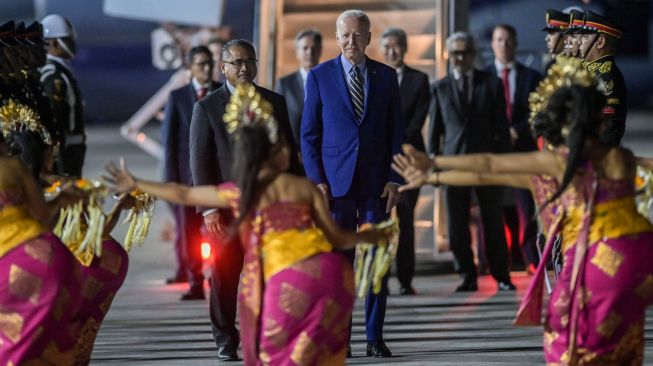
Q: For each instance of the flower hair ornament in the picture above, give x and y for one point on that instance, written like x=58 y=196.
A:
x=566 y=71
x=247 y=107
x=15 y=117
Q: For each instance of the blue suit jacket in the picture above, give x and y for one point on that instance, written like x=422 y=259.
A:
x=334 y=143
x=175 y=133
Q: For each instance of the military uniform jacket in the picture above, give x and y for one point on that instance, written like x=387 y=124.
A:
x=611 y=82
x=61 y=86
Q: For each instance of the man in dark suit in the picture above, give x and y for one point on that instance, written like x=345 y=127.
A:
x=351 y=127
x=468 y=112
x=308 y=49
x=175 y=132
x=518 y=82
x=415 y=98
x=210 y=163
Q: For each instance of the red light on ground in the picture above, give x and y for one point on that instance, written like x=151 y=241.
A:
x=206 y=250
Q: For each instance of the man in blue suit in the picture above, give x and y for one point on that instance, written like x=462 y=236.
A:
x=351 y=126
x=175 y=133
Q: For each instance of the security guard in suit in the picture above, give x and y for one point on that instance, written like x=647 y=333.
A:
x=61 y=86
x=599 y=40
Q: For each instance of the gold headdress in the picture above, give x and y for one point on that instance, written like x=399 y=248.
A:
x=566 y=71
x=16 y=117
x=247 y=107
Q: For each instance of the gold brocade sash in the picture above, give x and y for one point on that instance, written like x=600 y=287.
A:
x=610 y=219
x=17 y=227
x=281 y=249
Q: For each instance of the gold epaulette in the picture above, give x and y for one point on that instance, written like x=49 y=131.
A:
x=601 y=67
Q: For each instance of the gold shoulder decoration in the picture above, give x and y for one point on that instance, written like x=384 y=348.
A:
x=566 y=71
x=247 y=107
x=16 y=117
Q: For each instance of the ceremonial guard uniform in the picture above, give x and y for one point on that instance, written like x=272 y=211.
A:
x=61 y=86
x=609 y=78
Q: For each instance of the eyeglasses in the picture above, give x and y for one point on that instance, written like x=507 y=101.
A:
x=239 y=63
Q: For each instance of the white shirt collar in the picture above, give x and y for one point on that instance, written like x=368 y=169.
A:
x=230 y=87
x=197 y=86
x=304 y=74
x=500 y=66
x=457 y=75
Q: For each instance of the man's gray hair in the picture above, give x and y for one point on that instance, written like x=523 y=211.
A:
x=400 y=34
x=461 y=36
x=356 y=14
x=315 y=35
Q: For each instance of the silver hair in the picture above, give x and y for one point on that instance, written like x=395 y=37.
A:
x=356 y=14
x=400 y=34
x=461 y=36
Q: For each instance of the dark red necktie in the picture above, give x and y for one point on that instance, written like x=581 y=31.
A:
x=506 y=92
x=201 y=93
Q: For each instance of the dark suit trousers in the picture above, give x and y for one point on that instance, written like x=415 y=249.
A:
x=405 y=259
x=191 y=245
x=225 y=275
x=349 y=212
x=527 y=225
x=490 y=203
x=178 y=213
x=72 y=159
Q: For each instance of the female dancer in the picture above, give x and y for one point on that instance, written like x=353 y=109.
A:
x=39 y=278
x=100 y=279
x=596 y=312
x=296 y=292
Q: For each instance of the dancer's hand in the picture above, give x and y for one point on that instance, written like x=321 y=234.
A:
x=417 y=159
x=414 y=178
x=119 y=179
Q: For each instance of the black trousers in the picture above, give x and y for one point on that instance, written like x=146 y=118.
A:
x=405 y=259
x=191 y=250
x=225 y=275
x=71 y=160
x=490 y=203
x=523 y=227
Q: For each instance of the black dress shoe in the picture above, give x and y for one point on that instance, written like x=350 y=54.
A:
x=193 y=294
x=407 y=290
x=467 y=286
x=378 y=350
x=228 y=352
x=176 y=279
x=506 y=286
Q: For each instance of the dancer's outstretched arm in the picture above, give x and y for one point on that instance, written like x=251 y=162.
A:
x=339 y=238
x=121 y=180
x=537 y=162
x=416 y=178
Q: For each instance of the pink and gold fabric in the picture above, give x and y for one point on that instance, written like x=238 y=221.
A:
x=296 y=294
x=101 y=280
x=596 y=311
x=39 y=290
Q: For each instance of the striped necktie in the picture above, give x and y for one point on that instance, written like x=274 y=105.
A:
x=356 y=91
